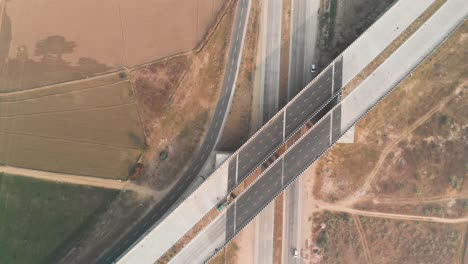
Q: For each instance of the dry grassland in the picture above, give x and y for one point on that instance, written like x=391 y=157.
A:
x=91 y=128
x=176 y=98
x=82 y=38
x=413 y=144
x=342 y=238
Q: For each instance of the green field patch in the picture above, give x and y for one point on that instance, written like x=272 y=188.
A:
x=36 y=217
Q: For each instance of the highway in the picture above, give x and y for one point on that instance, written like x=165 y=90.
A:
x=272 y=14
x=208 y=145
x=304 y=25
x=270 y=74
x=339 y=119
x=306 y=104
x=304 y=22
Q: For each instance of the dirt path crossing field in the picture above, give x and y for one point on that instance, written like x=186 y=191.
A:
x=77 y=179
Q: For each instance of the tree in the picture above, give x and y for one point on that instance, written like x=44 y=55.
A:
x=54 y=46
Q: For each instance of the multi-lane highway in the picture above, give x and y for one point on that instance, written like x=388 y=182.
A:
x=270 y=77
x=209 y=143
x=304 y=24
x=268 y=138
x=272 y=14
x=336 y=122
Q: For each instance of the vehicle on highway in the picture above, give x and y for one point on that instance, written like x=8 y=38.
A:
x=295 y=253
x=225 y=202
x=312 y=68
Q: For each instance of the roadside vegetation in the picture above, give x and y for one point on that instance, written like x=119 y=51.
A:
x=341 y=22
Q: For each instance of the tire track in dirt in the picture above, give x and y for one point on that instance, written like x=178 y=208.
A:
x=417 y=200
x=383 y=156
x=365 y=245
x=345 y=209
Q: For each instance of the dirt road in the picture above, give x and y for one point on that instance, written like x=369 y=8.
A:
x=388 y=149
x=340 y=208
x=419 y=200
x=77 y=179
x=362 y=235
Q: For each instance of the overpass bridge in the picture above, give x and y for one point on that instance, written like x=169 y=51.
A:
x=313 y=99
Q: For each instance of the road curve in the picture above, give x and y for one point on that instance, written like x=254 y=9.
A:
x=208 y=145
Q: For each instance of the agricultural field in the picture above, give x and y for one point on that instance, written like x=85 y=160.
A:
x=80 y=39
x=87 y=128
x=38 y=216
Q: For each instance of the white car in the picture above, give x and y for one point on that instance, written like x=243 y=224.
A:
x=312 y=68
x=295 y=253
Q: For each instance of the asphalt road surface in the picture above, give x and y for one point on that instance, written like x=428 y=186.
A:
x=271 y=56
x=298 y=112
x=358 y=103
x=387 y=29
x=208 y=145
x=302 y=48
x=302 y=51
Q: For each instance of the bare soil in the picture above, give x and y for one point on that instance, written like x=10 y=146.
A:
x=278 y=230
x=393 y=241
x=176 y=98
x=399 y=195
x=335 y=239
x=408 y=153
x=227 y=255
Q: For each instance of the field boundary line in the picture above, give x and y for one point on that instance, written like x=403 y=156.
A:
x=54 y=86
x=74 y=179
x=71 y=140
x=68 y=110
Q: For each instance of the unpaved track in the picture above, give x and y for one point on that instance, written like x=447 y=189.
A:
x=363 y=239
x=77 y=180
x=419 y=200
x=383 y=156
x=340 y=208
